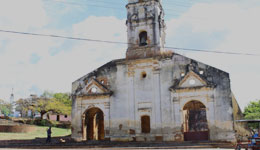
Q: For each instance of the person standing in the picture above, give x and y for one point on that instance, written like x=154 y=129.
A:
x=48 y=140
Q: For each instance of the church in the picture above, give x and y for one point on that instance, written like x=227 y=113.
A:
x=154 y=94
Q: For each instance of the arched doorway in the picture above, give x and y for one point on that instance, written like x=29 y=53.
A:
x=195 y=122
x=93 y=124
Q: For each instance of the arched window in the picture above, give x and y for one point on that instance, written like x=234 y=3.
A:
x=145 y=124
x=143 y=38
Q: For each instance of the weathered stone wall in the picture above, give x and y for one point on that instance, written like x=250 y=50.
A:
x=81 y=103
x=148 y=16
x=241 y=128
x=147 y=84
x=217 y=100
x=135 y=95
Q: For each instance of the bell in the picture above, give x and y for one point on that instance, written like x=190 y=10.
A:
x=143 y=41
x=143 y=38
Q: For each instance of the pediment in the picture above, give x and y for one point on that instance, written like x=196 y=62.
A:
x=94 y=87
x=191 y=79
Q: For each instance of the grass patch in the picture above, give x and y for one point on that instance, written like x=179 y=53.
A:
x=40 y=132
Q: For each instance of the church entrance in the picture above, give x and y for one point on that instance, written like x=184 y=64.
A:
x=195 y=122
x=94 y=124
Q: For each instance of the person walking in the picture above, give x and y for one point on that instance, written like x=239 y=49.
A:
x=48 y=140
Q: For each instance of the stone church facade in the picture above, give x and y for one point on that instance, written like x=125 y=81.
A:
x=153 y=95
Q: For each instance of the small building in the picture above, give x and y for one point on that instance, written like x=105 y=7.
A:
x=154 y=95
x=61 y=118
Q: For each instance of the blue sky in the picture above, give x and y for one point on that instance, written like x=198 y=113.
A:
x=32 y=64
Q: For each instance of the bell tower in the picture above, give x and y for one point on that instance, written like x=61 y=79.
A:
x=145 y=28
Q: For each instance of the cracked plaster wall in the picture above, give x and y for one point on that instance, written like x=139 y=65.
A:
x=134 y=96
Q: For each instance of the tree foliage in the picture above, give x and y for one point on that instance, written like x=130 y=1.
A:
x=252 y=110
x=58 y=103
x=5 y=107
x=64 y=98
x=41 y=105
x=23 y=106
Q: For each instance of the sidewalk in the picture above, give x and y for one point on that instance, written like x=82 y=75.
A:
x=39 y=143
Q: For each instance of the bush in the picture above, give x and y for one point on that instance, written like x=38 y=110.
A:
x=42 y=122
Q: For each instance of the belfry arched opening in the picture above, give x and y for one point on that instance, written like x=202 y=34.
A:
x=93 y=124
x=195 y=124
x=143 y=38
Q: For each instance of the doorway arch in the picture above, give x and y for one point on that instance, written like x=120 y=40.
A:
x=195 y=124
x=93 y=124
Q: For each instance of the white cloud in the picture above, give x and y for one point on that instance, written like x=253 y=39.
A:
x=16 y=69
x=218 y=25
x=15 y=50
x=102 y=28
x=57 y=72
x=21 y=15
x=223 y=26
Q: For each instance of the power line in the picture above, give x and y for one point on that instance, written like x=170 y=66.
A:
x=95 y=5
x=115 y=8
x=125 y=43
x=119 y=3
x=81 y=4
x=211 y=51
x=63 y=37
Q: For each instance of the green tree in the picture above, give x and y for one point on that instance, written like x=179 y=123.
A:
x=252 y=110
x=5 y=108
x=58 y=107
x=64 y=98
x=41 y=103
x=41 y=106
x=24 y=105
x=59 y=103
